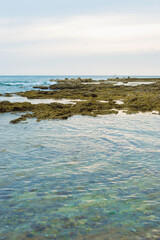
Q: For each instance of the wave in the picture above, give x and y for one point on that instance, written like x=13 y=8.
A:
x=23 y=83
x=5 y=84
x=11 y=84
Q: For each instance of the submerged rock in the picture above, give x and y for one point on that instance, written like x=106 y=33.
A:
x=38 y=227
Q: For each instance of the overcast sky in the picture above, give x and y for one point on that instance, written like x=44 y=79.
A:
x=84 y=37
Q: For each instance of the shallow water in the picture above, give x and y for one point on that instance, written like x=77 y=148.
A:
x=17 y=98
x=82 y=178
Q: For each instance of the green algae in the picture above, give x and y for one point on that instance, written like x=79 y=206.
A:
x=100 y=99
x=134 y=79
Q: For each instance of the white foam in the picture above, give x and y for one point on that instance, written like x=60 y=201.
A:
x=132 y=83
x=119 y=102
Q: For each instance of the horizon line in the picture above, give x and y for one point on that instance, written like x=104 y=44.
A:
x=115 y=75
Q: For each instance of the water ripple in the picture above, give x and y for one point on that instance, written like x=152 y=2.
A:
x=82 y=176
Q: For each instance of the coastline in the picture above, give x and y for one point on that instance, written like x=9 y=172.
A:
x=88 y=97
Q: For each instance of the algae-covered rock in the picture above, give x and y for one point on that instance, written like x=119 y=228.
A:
x=6 y=106
x=8 y=95
x=134 y=79
x=39 y=227
x=101 y=98
x=41 y=87
x=18 y=120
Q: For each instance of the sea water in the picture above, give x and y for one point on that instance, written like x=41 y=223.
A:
x=81 y=178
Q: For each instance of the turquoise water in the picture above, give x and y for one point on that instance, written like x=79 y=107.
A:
x=81 y=178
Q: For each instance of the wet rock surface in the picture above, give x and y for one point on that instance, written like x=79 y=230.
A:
x=41 y=87
x=101 y=98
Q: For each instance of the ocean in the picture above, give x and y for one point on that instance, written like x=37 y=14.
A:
x=80 y=178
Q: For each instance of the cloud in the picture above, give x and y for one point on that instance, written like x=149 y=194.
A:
x=80 y=35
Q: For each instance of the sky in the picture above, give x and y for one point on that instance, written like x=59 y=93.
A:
x=86 y=37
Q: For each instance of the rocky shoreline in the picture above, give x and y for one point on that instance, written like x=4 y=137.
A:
x=99 y=97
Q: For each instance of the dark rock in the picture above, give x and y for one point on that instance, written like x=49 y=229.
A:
x=41 y=87
x=29 y=235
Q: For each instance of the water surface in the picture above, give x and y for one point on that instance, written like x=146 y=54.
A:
x=81 y=178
